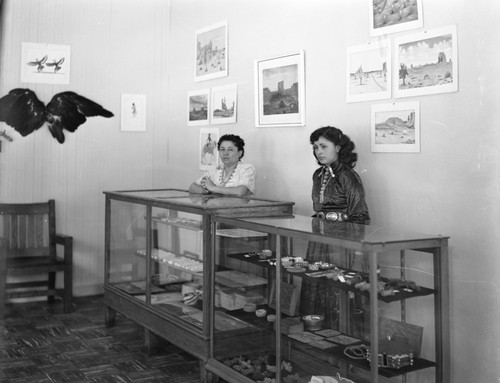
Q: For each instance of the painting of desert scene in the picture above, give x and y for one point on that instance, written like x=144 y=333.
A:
x=395 y=127
x=426 y=63
x=369 y=74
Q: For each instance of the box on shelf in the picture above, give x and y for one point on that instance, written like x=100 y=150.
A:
x=291 y=326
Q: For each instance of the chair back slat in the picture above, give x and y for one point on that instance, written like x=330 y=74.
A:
x=25 y=228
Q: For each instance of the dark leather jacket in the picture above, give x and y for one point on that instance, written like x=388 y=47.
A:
x=344 y=193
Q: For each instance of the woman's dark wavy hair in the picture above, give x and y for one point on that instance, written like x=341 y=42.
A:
x=236 y=140
x=335 y=135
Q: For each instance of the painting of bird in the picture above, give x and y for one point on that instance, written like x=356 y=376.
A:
x=56 y=64
x=22 y=110
x=38 y=63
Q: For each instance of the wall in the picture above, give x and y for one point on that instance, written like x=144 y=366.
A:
x=116 y=47
x=451 y=187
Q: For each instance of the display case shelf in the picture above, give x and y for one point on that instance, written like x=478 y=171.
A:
x=400 y=295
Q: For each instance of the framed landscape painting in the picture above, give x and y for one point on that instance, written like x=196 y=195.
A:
x=395 y=16
x=198 y=107
x=280 y=91
x=224 y=104
x=211 y=52
x=395 y=127
x=426 y=63
x=369 y=72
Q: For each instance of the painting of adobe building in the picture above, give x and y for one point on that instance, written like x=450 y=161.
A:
x=280 y=91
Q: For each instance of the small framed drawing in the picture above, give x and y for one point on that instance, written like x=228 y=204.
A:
x=426 y=63
x=395 y=16
x=369 y=71
x=289 y=298
x=211 y=52
x=198 y=107
x=223 y=104
x=45 y=63
x=133 y=113
x=280 y=91
x=209 y=155
x=395 y=127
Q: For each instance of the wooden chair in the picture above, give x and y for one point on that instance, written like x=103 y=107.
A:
x=28 y=249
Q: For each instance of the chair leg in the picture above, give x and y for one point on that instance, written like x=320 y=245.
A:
x=3 y=284
x=51 y=285
x=68 y=289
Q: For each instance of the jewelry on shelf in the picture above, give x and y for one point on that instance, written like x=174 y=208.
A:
x=359 y=351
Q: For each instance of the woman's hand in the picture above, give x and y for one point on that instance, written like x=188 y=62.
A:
x=207 y=184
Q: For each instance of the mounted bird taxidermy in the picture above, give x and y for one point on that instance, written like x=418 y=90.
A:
x=22 y=110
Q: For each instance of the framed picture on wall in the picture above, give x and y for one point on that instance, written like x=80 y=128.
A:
x=395 y=16
x=280 y=91
x=224 y=104
x=211 y=52
x=426 y=63
x=369 y=71
x=133 y=113
x=395 y=127
x=198 y=107
x=209 y=155
x=45 y=63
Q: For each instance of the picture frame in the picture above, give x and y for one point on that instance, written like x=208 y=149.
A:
x=395 y=127
x=395 y=16
x=211 y=52
x=426 y=63
x=224 y=104
x=289 y=296
x=45 y=63
x=369 y=74
x=133 y=112
x=198 y=107
x=208 y=153
x=280 y=91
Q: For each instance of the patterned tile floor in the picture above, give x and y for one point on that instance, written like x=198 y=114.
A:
x=39 y=343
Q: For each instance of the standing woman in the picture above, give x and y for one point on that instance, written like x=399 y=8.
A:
x=337 y=195
x=231 y=176
x=337 y=192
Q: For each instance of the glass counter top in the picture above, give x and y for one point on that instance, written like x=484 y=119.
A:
x=343 y=231
x=204 y=201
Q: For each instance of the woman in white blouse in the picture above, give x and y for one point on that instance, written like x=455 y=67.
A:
x=231 y=176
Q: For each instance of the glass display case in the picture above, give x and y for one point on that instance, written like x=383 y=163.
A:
x=322 y=301
x=157 y=252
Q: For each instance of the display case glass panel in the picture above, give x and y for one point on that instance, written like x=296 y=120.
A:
x=302 y=298
x=176 y=264
x=127 y=269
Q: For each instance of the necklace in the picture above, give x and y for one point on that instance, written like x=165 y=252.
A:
x=224 y=180
x=325 y=178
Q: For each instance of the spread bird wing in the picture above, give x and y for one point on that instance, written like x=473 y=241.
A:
x=22 y=110
x=68 y=110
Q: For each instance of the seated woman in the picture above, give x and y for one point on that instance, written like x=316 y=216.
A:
x=231 y=176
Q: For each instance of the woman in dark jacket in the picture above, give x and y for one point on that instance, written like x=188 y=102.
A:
x=338 y=195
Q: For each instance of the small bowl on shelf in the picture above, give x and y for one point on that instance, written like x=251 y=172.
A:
x=261 y=313
x=313 y=322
